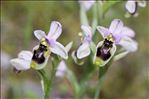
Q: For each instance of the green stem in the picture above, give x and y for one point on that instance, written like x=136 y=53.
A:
x=53 y=71
x=47 y=81
x=83 y=17
x=99 y=83
x=101 y=76
x=72 y=79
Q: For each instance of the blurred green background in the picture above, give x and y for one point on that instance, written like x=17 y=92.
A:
x=127 y=78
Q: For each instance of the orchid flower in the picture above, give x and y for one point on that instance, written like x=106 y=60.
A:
x=54 y=32
x=24 y=61
x=86 y=45
x=62 y=68
x=119 y=35
x=25 y=58
x=84 y=49
x=132 y=5
x=87 y=4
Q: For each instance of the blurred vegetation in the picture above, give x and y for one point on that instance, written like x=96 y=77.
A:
x=126 y=79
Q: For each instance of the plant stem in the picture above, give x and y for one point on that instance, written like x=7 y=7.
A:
x=47 y=81
x=99 y=83
x=101 y=76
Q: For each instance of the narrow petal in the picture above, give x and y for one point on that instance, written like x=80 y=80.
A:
x=128 y=44
x=55 y=30
x=20 y=64
x=103 y=31
x=76 y=60
x=120 y=55
x=39 y=34
x=60 y=50
x=116 y=27
x=87 y=30
x=126 y=31
x=68 y=46
x=142 y=3
x=131 y=6
x=26 y=55
x=83 y=51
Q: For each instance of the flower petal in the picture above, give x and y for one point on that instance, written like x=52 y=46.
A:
x=142 y=3
x=116 y=27
x=131 y=6
x=128 y=44
x=55 y=30
x=87 y=30
x=120 y=55
x=26 y=55
x=60 y=50
x=83 y=50
x=126 y=31
x=100 y=62
x=39 y=34
x=103 y=31
x=76 y=60
x=61 y=69
x=68 y=46
x=20 y=64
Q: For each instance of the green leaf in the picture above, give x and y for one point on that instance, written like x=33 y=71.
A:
x=71 y=77
x=108 y=4
x=83 y=17
x=95 y=18
x=93 y=48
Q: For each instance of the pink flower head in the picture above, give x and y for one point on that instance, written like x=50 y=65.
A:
x=121 y=34
x=54 y=32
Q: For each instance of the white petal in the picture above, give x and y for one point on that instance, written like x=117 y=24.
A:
x=87 y=30
x=68 y=46
x=126 y=31
x=103 y=31
x=20 y=64
x=55 y=30
x=129 y=44
x=61 y=69
x=26 y=55
x=131 y=6
x=83 y=51
x=60 y=50
x=142 y=3
x=39 y=34
x=116 y=27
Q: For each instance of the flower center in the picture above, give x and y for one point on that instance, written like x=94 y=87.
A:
x=110 y=38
